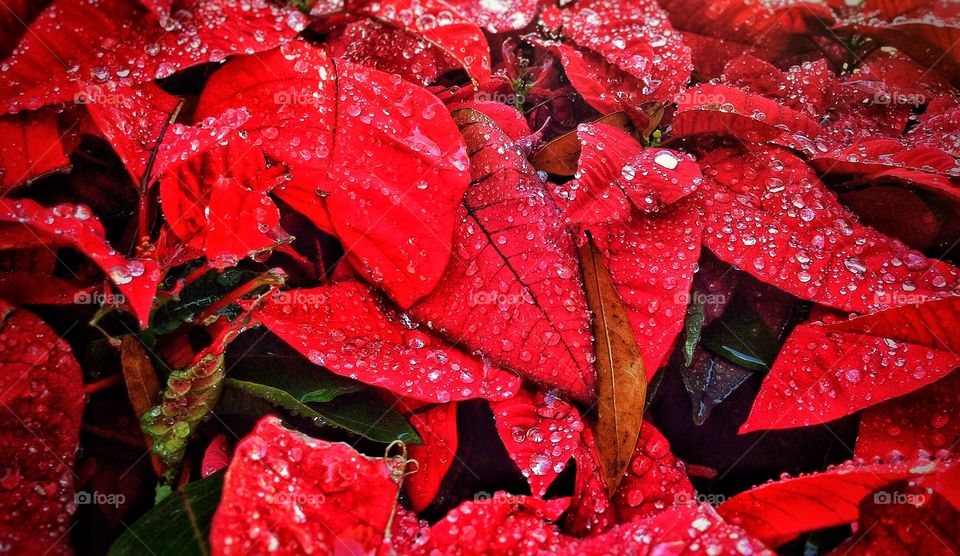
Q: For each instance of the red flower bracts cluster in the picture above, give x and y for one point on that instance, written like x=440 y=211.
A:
x=479 y=277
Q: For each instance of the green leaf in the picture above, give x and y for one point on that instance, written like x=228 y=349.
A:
x=302 y=380
x=741 y=337
x=179 y=525
x=345 y=404
x=197 y=296
x=693 y=325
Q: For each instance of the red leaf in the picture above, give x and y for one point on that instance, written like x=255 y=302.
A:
x=437 y=427
x=923 y=422
x=137 y=121
x=377 y=45
x=929 y=39
x=655 y=480
x=805 y=88
x=652 y=261
x=42 y=397
x=719 y=109
x=896 y=212
x=918 y=521
x=512 y=291
x=381 y=163
x=73 y=44
x=501 y=17
x=625 y=54
x=615 y=174
x=344 y=328
x=287 y=493
x=75 y=226
x=499 y=525
x=540 y=433
x=828 y=370
x=937 y=127
x=435 y=23
x=32 y=147
x=778 y=512
x=717 y=32
x=687 y=530
x=877 y=159
x=590 y=509
x=216 y=456
x=767 y=213
x=14 y=20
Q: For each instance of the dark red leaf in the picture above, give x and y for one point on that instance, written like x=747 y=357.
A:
x=778 y=512
x=916 y=521
x=896 y=212
x=805 y=88
x=71 y=45
x=717 y=32
x=437 y=428
x=435 y=23
x=937 y=127
x=75 y=226
x=512 y=291
x=375 y=160
x=828 y=370
x=615 y=175
x=287 y=493
x=625 y=54
x=541 y=433
x=15 y=19
x=42 y=397
x=768 y=214
x=724 y=110
x=346 y=329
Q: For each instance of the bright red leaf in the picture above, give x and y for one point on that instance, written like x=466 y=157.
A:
x=512 y=290
x=73 y=45
x=767 y=213
x=437 y=428
x=652 y=261
x=42 y=397
x=347 y=329
x=32 y=148
x=541 y=433
x=287 y=493
x=372 y=158
x=924 y=421
x=615 y=175
x=828 y=370
x=778 y=512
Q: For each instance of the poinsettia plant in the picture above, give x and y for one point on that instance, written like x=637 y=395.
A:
x=479 y=277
